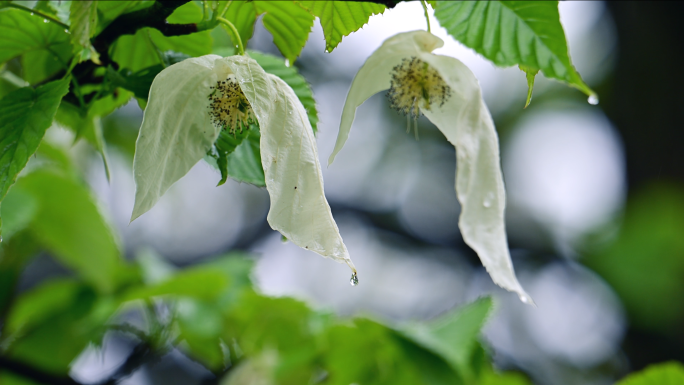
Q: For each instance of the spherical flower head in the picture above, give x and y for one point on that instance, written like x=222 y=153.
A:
x=229 y=108
x=415 y=85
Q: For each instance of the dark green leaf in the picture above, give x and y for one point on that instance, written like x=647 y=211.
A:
x=226 y=143
x=513 y=33
x=21 y=32
x=340 y=18
x=668 y=373
x=69 y=224
x=244 y=164
x=25 y=114
x=145 y=48
x=83 y=18
x=289 y=24
x=299 y=85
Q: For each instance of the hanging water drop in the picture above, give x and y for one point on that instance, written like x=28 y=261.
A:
x=287 y=62
x=593 y=100
x=526 y=300
x=31 y=13
x=354 y=279
x=488 y=199
x=46 y=21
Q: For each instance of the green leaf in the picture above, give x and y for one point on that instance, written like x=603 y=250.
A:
x=226 y=145
x=299 y=85
x=243 y=15
x=198 y=282
x=513 y=33
x=25 y=114
x=340 y=18
x=529 y=74
x=668 y=373
x=289 y=23
x=146 y=48
x=83 y=17
x=21 y=33
x=69 y=224
x=18 y=210
x=453 y=335
x=244 y=164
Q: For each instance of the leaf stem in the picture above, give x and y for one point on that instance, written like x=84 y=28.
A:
x=38 y=13
x=427 y=18
x=241 y=48
x=225 y=8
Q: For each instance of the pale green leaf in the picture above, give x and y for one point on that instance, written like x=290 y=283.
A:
x=201 y=282
x=453 y=335
x=176 y=130
x=340 y=18
x=34 y=306
x=467 y=124
x=289 y=157
x=289 y=24
x=83 y=17
x=18 y=210
x=668 y=373
x=25 y=114
x=512 y=33
x=69 y=224
x=244 y=164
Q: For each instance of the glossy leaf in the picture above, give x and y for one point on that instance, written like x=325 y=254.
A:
x=25 y=114
x=467 y=124
x=69 y=224
x=512 y=33
x=83 y=17
x=22 y=33
x=340 y=18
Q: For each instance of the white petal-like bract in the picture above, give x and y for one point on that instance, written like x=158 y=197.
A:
x=177 y=132
x=465 y=121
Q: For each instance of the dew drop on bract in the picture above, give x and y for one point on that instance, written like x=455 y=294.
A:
x=593 y=100
x=354 y=279
x=487 y=201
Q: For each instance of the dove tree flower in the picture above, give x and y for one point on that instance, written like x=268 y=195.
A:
x=448 y=94
x=192 y=101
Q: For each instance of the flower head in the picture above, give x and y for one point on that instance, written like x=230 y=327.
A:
x=229 y=108
x=448 y=94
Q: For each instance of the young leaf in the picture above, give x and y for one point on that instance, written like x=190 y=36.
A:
x=340 y=18
x=244 y=164
x=289 y=24
x=299 y=85
x=176 y=130
x=243 y=15
x=513 y=33
x=226 y=145
x=529 y=74
x=25 y=114
x=465 y=121
x=83 y=17
x=299 y=210
x=69 y=224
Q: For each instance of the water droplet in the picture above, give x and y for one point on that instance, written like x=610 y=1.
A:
x=593 y=100
x=46 y=21
x=31 y=13
x=290 y=112
x=0 y=238
x=354 y=279
x=287 y=62
x=66 y=31
x=488 y=199
x=524 y=298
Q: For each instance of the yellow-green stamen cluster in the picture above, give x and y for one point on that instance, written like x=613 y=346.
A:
x=229 y=108
x=415 y=85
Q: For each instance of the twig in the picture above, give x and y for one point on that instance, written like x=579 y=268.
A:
x=36 y=13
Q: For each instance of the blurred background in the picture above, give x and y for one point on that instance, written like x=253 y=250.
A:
x=595 y=212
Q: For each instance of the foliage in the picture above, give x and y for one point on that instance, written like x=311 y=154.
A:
x=73 y=64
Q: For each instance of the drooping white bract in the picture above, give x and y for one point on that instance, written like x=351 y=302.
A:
x=177 y=131
x=465 y=121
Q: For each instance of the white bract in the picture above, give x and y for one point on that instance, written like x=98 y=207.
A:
x=448 y=93
x=178 y=130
